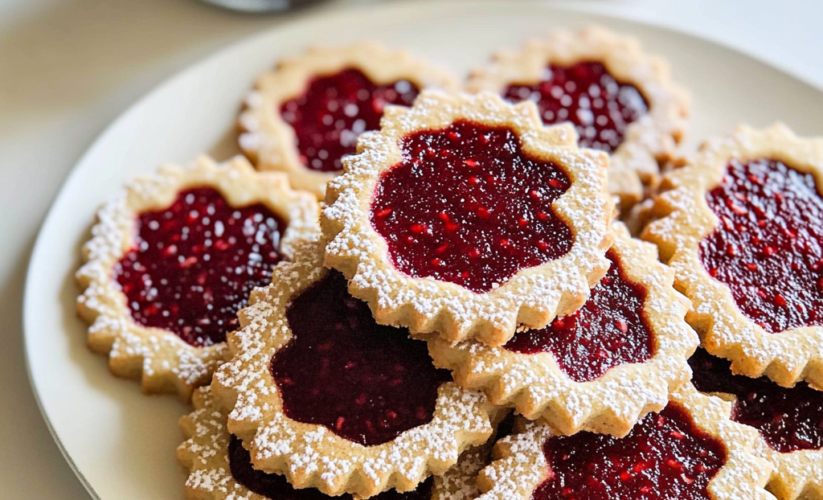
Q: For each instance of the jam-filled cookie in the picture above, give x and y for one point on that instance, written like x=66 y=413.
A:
x=464 y=216
x=600 y=368
x=304 y=116
x=323 y=394
x=790 y=422
x=742 y=224
x=220 y=467
x=172 y=259
x=620 y=99
x=688 y=451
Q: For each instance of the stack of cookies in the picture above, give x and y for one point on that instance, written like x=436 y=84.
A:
x=470 y=313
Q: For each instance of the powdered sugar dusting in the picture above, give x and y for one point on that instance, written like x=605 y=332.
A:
x=648 y=140
x=425 y=305
x=612 y=403
x=162 y=360
x=309 y=455
x=686 y=219
x=522 y=466
x=205 y=455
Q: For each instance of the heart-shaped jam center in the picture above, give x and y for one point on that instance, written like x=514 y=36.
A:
x=609 y=330
x=599 y=106
x=466 y=205
x=664 y=457
x=276 y=487
x=194 y=264
x=334 y=110
x=789 y=419
x=363 y=381
x=767 y=245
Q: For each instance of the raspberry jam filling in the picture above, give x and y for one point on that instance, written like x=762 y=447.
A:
x=276 y=487
x=789 y=419
x=767 y=246
x=467 y=206
x=334 y=110
x=365 y=382
x=609 y=330
x=664 y=457
x=600 y=107
x=195 y=263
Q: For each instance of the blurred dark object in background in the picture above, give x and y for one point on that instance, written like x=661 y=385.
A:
x=261 y=5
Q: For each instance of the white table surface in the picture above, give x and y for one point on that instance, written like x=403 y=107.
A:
x=68 y=67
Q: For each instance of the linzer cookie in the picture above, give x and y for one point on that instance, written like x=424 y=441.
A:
x=790 y=422
x=465 y=216
x=688 y=451
x=620 y=99
x=305 y=116
x=742 y=224
x=321 y=393
x=220 y=467
x=172 y=259
x=598 y=369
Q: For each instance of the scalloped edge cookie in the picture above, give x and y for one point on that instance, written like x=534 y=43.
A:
x=533 y=296
x=160 y=359
x=204 y=454
x=796 y=474
x=539 y=390
x=520 y=466
x=649 y=140
x=683 y=219
x=270 y=142
x=309 y=454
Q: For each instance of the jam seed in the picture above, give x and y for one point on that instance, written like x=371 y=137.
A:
x=779 y=301
x=382 y=213
x=470 y=163
x=188 y=262
x=418 y=228
x=473 y=180
x=556 y=183
x=483 y=212
x=622 y=325
x=451 y=226
x=339 y=423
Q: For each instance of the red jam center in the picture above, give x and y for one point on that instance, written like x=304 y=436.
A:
x=276 y=487
x=609 y=330
x=585 y=94
x=363 y=381
x=768 y=247
x=467 y=206
x=334 y=110
x=788 y=419
x=195 y=263
x=664 y=457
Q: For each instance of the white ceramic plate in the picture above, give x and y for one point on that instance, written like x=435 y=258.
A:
x=121 y=443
